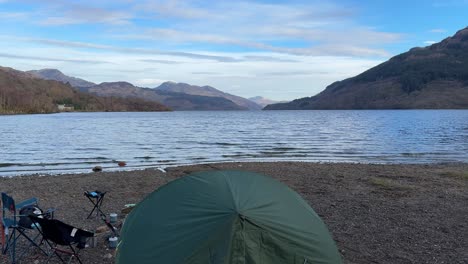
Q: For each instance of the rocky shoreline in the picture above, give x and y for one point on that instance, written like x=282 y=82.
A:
x=375 y=213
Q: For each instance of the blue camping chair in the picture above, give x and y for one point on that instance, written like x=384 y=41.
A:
x=14 y=227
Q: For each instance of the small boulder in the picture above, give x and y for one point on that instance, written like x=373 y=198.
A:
x=122 y=164
x=97 y=169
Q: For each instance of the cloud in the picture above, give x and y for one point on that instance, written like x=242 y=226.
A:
x=206 y=73
x=353 y=40
x=290 y=73
x=437 y=30
x=173 y=8
x=430 y=42
x=294 y=28
x=109 y=48
x=81 y=15
x=60 y=12
x=161 y=61
x=267 y=58
x=149 y=82
x=298 y=28
x=249 y=46
x=12 y=56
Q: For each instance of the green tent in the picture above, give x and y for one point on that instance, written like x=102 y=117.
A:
x=221 y=217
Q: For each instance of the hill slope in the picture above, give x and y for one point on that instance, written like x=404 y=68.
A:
x=177 y=96
x=207 y=91
x=262 y=101
x=56 y=75
x=22 y=92
x=174 y=100
x=430 y=77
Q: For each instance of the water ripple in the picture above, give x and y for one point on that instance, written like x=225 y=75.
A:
x=75 y=142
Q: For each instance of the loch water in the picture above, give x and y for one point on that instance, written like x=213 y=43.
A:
x=76 y=142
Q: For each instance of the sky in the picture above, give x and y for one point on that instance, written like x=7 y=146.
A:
x=281 y=50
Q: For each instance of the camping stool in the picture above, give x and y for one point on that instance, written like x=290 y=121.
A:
x=96 y=198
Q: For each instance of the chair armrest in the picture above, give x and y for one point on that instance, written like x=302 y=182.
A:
x=49 y=213
x=31 y=201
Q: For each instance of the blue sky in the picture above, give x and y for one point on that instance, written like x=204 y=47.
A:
x=277 y=49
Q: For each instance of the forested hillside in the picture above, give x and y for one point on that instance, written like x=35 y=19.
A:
x=21 y=92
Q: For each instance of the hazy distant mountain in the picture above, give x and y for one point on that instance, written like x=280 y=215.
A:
x=207 y=91
x=174 y=100
x=53 y=74
x=262 y=101
x=22 y=92
x=177 y=96
x=430 y=77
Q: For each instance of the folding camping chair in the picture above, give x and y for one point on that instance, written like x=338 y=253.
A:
x=56 y=233
x=14 y=227
x=96 y=198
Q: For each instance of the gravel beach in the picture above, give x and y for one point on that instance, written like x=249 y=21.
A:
x=375 y=213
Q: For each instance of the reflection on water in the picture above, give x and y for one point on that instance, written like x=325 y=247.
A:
x=75 y=142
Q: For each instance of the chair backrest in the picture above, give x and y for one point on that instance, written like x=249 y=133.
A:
x=61 y=233
x=8 y=203
x=8 y=207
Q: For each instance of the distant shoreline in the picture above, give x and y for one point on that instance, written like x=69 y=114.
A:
x=269 y=110
x=48 y=113
x=374 y=212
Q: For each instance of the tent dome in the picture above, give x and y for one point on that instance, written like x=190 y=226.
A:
x=221 y=217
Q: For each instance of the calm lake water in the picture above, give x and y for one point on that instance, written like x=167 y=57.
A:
x=76 y=142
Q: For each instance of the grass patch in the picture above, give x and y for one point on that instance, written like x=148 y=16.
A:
x=388 y=184
x=456 y=175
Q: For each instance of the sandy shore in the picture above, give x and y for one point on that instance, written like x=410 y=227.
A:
x=376 y=213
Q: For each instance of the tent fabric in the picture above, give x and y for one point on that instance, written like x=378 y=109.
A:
x=221 y=217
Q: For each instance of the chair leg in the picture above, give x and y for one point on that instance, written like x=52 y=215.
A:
x=75 y=254
x=10 y=248
x=28 y=248
x=32 y=241
x=13 y=246
x=56 y=254
x=101 y=200
x=94 y=208
x=97 y=206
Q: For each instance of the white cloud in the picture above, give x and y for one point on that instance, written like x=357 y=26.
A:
x=39 y=58
x=249 y=48
x=437 y=30
x=354 y=42
x=109 y=48
x=77 y=14
x=430 y=42
x=149 y=82
x=316 y=26
x=287 y=78
x=173 y=8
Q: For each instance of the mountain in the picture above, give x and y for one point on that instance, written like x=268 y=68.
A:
x=175 y=100
x=262 y=101
x=430 y=77
x=22 y=92
x=177 y=96
x=207 y=91
x=56 y=75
